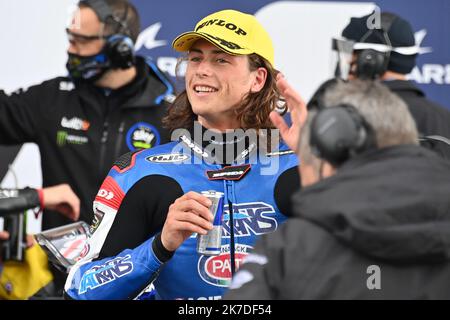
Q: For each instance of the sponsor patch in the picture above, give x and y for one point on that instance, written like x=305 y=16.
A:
x=9 y=194
x=103 y=193
x=75 y=124
x=63 y=138
x=193 y=146
x=98 y=217
x=110 y=193
x=66 y=86
x=216 y=270
x=253 y=218
x=222 y=23
x=103 y=274
x=168 y=158
x=229 y=173
x=142 y=135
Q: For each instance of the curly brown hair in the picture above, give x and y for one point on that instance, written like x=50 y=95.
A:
x=252 y=113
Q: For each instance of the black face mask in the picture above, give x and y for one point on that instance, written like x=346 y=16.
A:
x=87 y=68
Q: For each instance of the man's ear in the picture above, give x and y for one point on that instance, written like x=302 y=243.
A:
x=310 y=174
x=260 y=80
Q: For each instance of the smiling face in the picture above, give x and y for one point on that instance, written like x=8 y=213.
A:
x=217 y=82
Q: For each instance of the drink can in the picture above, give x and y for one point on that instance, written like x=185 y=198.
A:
x=211 y=243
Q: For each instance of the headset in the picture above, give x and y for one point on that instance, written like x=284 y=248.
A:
x=316 y=102
x=339 y=133
x=119 y=48
x=372 y=64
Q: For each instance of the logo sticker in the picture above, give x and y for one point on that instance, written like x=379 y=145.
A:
x=229 y=173
x=66 y=86
x=75 y=124
x=98 y=217
x=142 y=135
x=108 y=195
x=63 y=138
x=193 y=146
x=254 y=218
x=147 y=38
x=9 y=194
x=100 y=275
x=216 y=270
x=168 y=158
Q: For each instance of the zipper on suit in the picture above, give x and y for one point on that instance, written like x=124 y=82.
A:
x=103 y=144
x=119 y=140
x=230 y=196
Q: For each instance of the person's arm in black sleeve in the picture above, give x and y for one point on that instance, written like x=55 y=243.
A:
x=59 y=197
x=141 y=215
x=286 y=185
x=20 y=116
x=13 y=201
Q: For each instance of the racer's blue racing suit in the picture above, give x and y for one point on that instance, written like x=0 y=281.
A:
x=248 y=193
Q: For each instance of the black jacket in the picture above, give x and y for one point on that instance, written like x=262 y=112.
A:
x=431 y=118
x=81 y=129
x=388 y=209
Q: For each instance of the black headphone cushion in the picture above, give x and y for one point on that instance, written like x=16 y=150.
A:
x=337 y=133
x=371 y=64
x=120 y=51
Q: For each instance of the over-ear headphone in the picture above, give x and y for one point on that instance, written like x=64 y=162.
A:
x=371 y=64
x=119 y=48
x=339 y=133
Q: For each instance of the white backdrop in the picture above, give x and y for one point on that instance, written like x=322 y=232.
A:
x=302 y=33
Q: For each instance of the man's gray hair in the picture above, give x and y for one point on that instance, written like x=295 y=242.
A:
x=383 y=110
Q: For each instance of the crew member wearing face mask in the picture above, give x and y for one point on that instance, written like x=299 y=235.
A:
x=111 y=102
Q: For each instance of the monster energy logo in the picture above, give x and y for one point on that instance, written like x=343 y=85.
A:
x=62 y=137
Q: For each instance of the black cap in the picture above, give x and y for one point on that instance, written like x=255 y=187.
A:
x=400 y=34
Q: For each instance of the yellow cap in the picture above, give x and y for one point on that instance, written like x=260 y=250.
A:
x=232 y=31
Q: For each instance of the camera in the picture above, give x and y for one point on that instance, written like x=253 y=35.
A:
x=14 y=247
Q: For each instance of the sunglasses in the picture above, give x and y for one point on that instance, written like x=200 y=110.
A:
x=80 y=38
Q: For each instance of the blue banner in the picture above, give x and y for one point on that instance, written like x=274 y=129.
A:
x=302 y=32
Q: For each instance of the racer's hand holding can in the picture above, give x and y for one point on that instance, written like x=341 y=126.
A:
x=188 y=214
